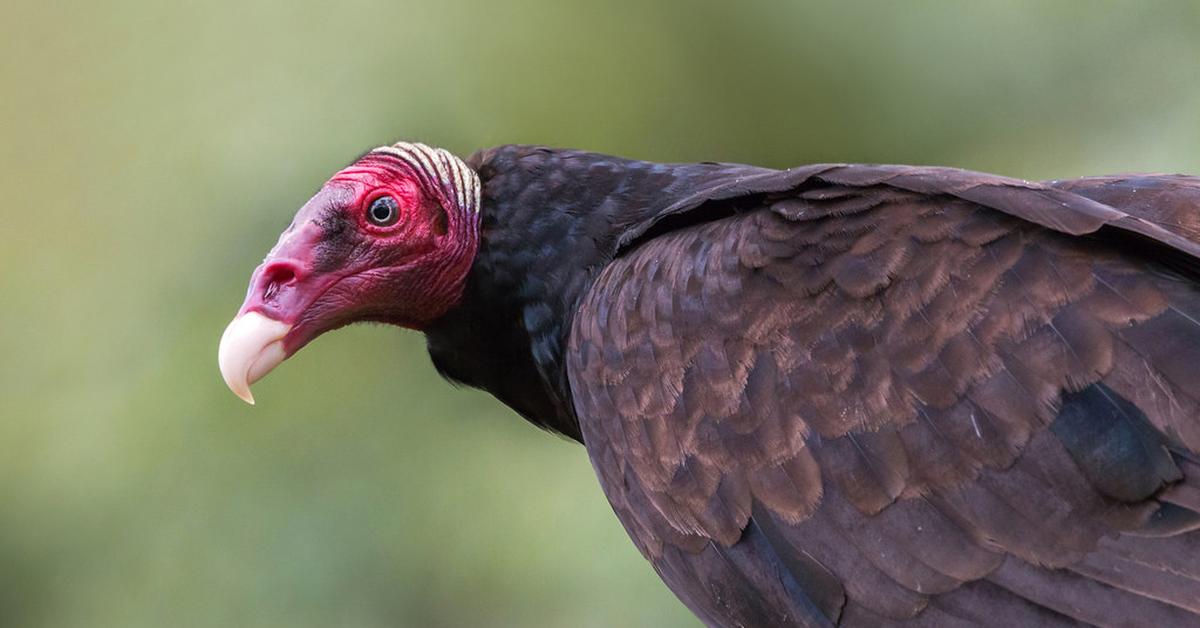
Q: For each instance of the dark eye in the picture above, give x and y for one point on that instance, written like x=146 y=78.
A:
x=383 y=211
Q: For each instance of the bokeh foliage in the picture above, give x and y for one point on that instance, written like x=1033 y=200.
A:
x=151 y=152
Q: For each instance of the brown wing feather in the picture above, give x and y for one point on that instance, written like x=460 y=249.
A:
x=923 y=387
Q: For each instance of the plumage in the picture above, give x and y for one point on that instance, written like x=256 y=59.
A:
x=909 y=337
x=854 y=394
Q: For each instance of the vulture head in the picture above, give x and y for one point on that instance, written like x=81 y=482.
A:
x=389 y=239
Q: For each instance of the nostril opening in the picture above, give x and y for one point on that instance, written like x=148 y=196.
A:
x=276 y=276
x=281 y=275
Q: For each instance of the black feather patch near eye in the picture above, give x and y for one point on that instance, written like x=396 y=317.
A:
x=383 y=212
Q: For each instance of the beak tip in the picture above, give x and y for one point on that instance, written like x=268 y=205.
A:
x=245 y=395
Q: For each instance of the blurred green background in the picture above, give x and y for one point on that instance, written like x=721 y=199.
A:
x=151 y=153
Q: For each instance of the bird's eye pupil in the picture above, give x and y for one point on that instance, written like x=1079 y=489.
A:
x=382 y=211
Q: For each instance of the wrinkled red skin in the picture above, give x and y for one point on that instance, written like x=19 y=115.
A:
x=332 y=267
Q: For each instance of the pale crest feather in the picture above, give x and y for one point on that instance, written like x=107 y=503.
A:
x=455 y=177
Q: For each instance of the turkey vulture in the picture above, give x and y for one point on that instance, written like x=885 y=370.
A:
x=829 y=395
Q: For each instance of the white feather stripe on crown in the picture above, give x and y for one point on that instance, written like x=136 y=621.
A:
x=453 y=175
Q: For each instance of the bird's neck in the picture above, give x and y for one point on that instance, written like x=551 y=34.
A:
x=551 y=220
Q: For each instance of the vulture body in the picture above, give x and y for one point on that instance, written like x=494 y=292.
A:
x=851 y=394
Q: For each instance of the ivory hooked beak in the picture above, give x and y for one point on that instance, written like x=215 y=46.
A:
x=251 y=346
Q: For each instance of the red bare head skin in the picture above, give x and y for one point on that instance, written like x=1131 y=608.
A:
x=388 y=239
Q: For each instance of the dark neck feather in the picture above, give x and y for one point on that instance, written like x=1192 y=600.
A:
x=551 y=220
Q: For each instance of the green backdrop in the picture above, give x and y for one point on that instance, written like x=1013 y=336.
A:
x=151 y=152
